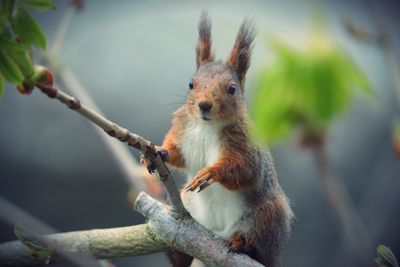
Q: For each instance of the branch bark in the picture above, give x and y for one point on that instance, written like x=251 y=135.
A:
x=100 y=243
x=186 y=235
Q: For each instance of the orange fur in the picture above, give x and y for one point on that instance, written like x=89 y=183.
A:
x=174 y=158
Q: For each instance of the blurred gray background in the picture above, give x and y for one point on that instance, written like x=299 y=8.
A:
x=136 y=58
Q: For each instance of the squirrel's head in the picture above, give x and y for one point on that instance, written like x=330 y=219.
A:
x=216 y=91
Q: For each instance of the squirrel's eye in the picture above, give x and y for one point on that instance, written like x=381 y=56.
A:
x=191 y=84
x=232 y=89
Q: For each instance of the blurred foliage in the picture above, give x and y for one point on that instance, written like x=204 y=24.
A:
x=305 y=87
x=18 y=32
x=385 y=257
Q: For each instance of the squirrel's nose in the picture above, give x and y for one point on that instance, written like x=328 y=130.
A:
x=205 y=106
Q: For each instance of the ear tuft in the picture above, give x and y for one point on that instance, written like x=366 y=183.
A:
x=239 y=58
x=203 y=49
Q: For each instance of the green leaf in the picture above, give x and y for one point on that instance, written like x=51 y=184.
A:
x=385 y=257
x=6 y=10
x=1 y=85
x=34 y=243
x=18 y=52
x=9 y=69
x=305 y=87
x=38 y=5
x=25 y=26
x=23 y=60
x=13 y=45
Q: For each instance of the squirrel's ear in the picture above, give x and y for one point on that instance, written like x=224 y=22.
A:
x=203 y=49
x=239 y=58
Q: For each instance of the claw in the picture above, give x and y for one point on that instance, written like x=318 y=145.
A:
x=204 y=184
x=189 y=188
x=151 y=168
x=200 y=182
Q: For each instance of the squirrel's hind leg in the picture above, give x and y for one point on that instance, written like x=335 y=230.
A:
x=239 y=244
x=179 y=259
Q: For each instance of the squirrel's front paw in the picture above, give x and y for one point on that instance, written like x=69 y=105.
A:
x=151 y=168
x=202 y=180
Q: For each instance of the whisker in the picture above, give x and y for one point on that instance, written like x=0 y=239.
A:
x=171 y=104
x=184 y=96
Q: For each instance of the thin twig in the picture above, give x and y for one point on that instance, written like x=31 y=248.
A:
x=379 y=37
x=385 y=43
x=133 y=172
x=354 y=230
x=62 y=29
x=122 y=134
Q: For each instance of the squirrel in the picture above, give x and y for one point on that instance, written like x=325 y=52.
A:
x=232 y=186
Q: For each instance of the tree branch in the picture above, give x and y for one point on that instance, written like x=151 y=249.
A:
x=136 y=175
x=100 y=243
x=163 y=231
x=62 y=29
x=128 y=165
x=186 y=235
x=122 y=134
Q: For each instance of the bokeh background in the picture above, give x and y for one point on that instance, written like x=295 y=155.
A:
x=136 y=58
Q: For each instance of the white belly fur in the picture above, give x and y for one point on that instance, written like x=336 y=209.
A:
x=216 y=208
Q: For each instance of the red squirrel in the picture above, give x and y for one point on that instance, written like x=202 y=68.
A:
x=232 y=186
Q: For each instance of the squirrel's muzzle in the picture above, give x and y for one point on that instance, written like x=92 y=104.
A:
x=205 y=106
